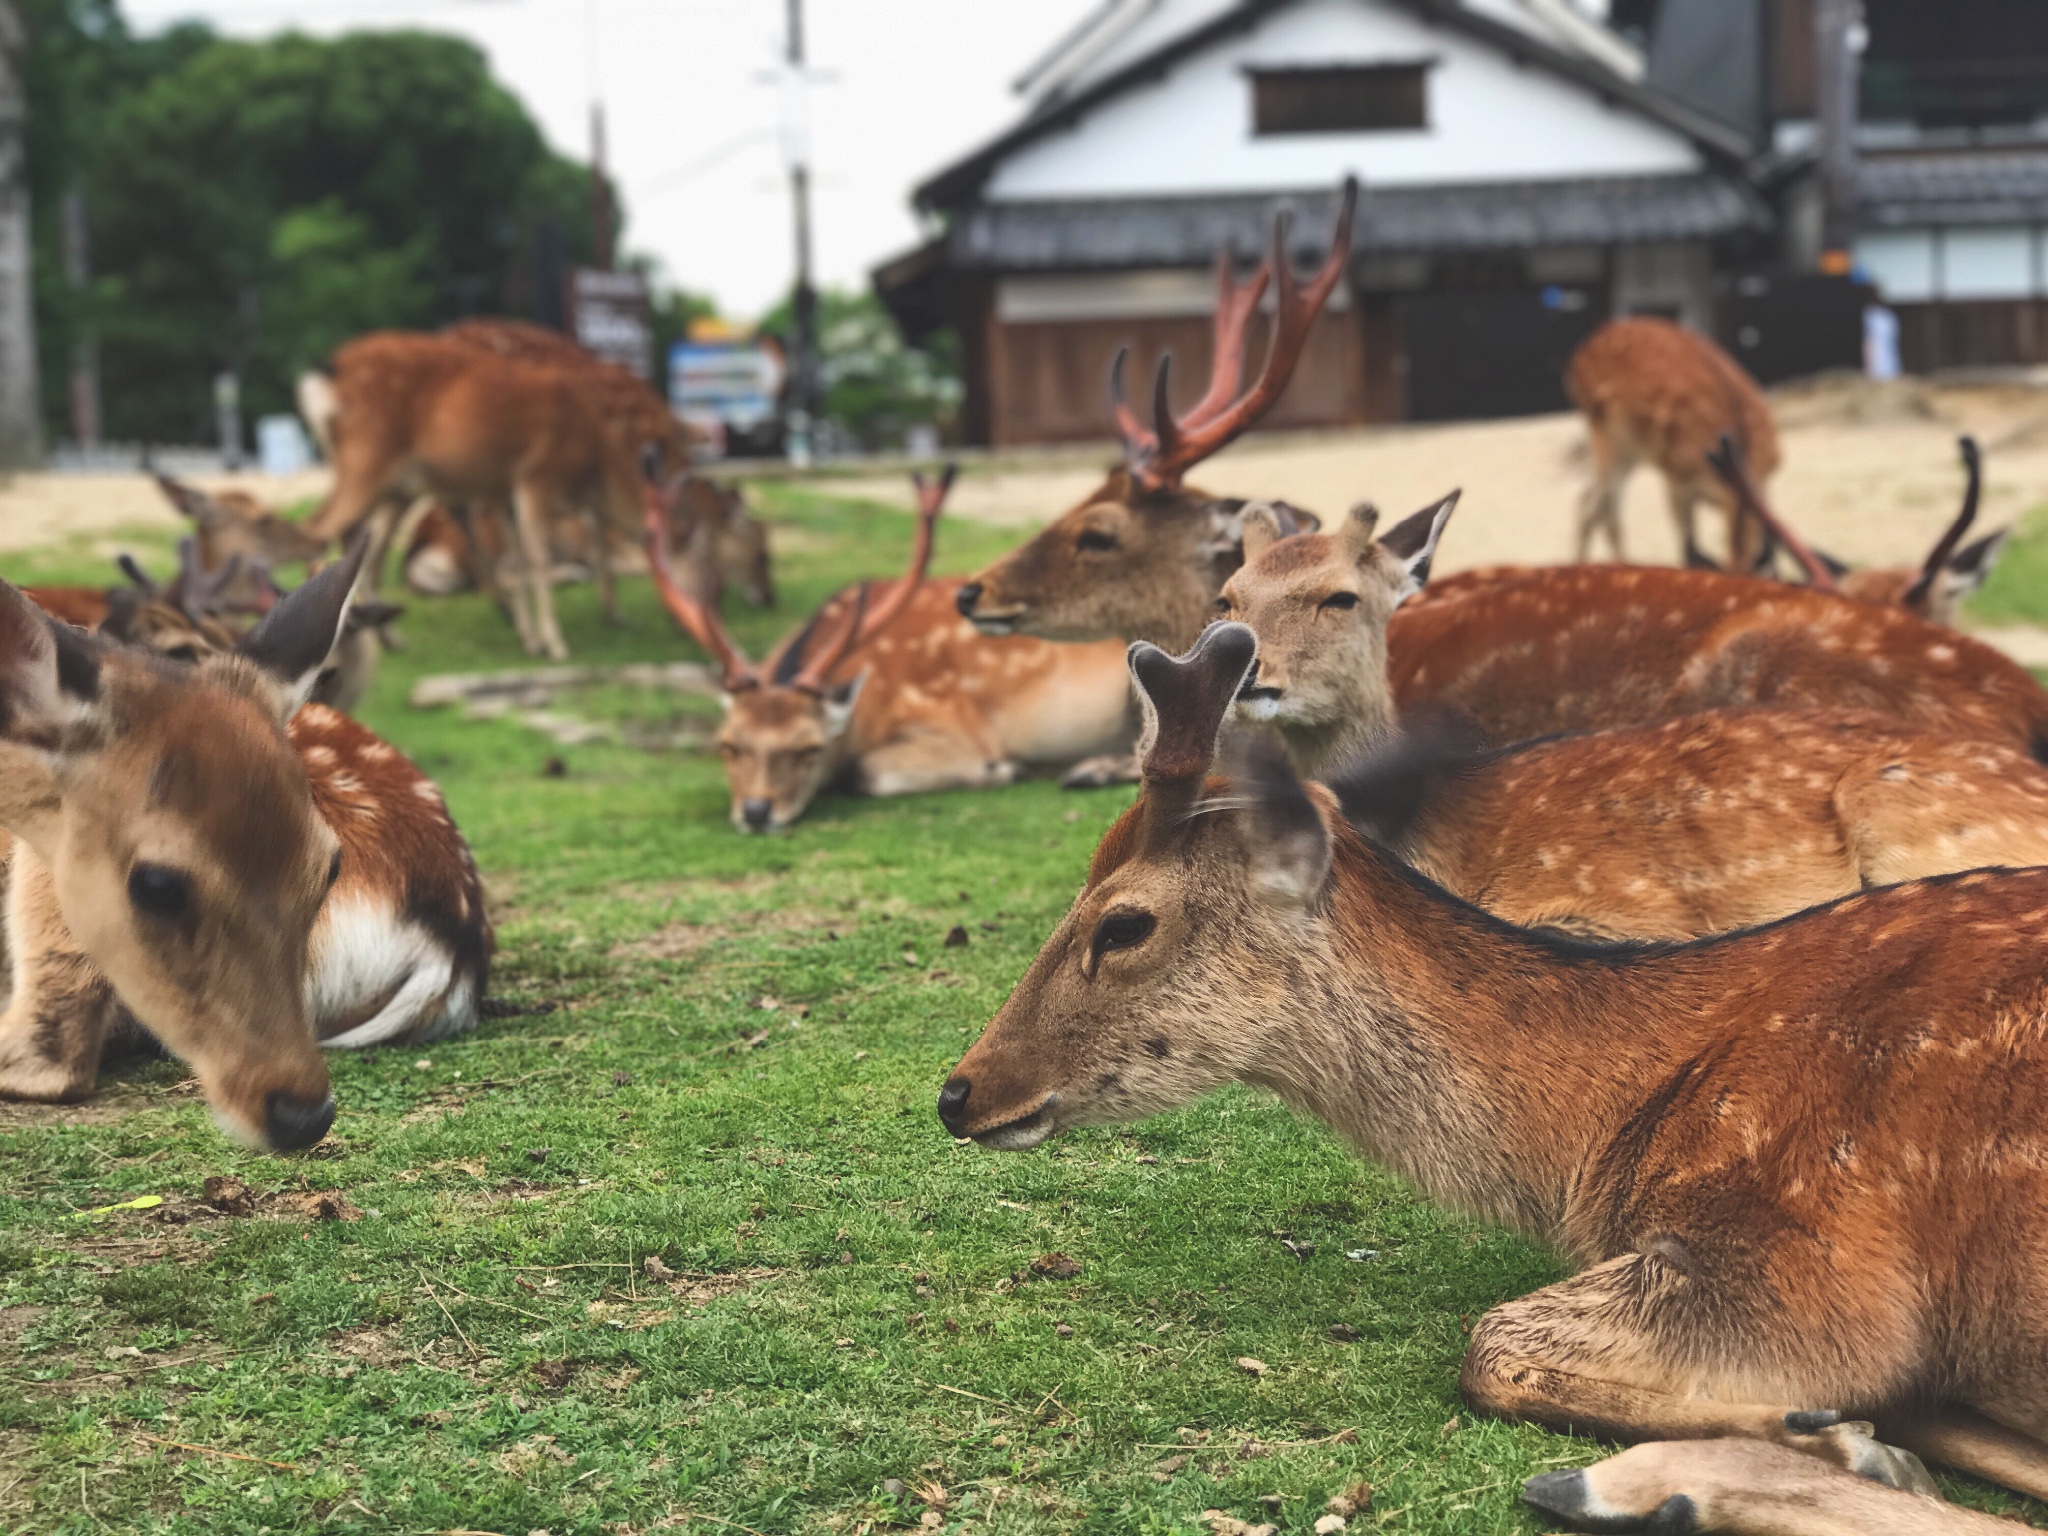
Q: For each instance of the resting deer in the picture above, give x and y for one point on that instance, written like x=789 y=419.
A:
x=1143 y=555
x=1653 y=392
x=236 y=523
x=1792 y=1165
x=931 y=704
x=165 y=856
x=1701 y=824
x=425 y=415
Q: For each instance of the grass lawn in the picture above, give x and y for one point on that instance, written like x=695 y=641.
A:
x=869 y=1326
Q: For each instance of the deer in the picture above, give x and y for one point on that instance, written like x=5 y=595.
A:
x=401 y=949
x=1654 y=392
x=165 y=861
x=423 y=414
x=893 y=694
x=1700 y=824
x=236 y=523
x=1787 y=1165
x=1143 y=555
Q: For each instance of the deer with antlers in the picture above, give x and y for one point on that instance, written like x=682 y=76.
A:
x=1653 y=392
x=1789 y=1164
x=894 y=693
x=1143 y=555
x=1703 y=823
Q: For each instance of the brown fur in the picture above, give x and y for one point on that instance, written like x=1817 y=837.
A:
x=422 y=414
x=1568 y=648
x=234 y=523
x=1653 y=392
x=1793 y=1164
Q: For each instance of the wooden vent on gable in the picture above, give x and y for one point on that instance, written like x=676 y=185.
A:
x=1340 y=98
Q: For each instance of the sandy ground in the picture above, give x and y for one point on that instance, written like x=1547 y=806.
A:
x=1870 y=475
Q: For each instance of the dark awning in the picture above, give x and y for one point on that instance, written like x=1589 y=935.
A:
x=1187 y=231
x=1979 y=186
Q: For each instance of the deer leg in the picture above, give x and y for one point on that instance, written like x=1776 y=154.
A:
x=60 y=1006
x=530 y=524
x=921 y=761
x=1742 y=1488
x=1638 y=1348
x=1101 y=771
x=1963 y=1438
x=607 y=576
x=1685 y=499
x=1600 y=510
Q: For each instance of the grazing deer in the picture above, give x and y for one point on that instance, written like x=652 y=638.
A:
x=1143 y=555
x=931 y=704
x=1589 y=647
x=236 y=523
x=1652 y=391
x=1793 y=1166
x=1701 y=824
x=165 y=857
x=425 y=415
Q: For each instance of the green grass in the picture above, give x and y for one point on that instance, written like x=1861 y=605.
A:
x=483 y=1349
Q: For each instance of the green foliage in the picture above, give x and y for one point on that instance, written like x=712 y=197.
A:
x=876 y=386
x=254 y=203
x=738 y=1079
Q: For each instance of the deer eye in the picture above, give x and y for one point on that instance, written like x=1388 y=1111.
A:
x=1095 y=538
x=1339 y=600
x=160 y=892
x=1224 y=604
x=186 y=652
x=334 y=868
x=1122 y=930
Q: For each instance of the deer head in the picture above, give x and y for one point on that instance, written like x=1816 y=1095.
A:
x=783 y=733
x=181 y=621
x=235 y=523
x=1179 y=956
x=187 y=857
x=1319 y=604
x=1143 y=556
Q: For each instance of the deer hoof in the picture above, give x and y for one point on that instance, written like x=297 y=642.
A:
x=1570 y=1497
x=1853 y=1446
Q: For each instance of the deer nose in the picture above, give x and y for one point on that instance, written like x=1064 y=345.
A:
x=966 y=598
x=953 y=1104
x=757 y=813
x=293 y=1124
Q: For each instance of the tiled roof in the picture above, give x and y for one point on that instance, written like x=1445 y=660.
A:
x=1978 y=186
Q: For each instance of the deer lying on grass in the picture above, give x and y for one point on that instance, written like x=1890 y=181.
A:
x=1589 y=647
x=1654 y=392
x=1143 y=555
x=1790 y=1163
x=931 y=704
x=401 y=950
x=1701 y=824
x=425 y=415
x=164 y=856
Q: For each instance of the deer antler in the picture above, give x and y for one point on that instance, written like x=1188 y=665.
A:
x=1173 y=447
x=1235 y=304
x=862 y=626
x=1726 y=461
x=1973 y=465
x=699 y=622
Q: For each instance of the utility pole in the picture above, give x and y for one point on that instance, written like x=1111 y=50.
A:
x=796 y=149
x=21 y=430
x=85 y=347
x=601 y=254
x=1839 y=38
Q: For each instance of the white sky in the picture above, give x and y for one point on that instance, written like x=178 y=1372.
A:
x=692 y=131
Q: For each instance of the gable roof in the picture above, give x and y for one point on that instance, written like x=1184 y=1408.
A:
x=960 y=182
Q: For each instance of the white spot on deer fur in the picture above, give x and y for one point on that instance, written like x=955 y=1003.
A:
x=318 y=756
x=344 y=783
x=378 y=752
x=1942 y=652
x=424 y=788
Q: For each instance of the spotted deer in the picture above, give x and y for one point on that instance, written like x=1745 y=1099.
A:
x=1790 y=1165
x=165 y=860
x=424 y=415
x=1142 y=556
x=1653 y=392
x=894 y=694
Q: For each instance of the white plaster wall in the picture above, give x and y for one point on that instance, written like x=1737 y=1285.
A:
x=1490 y=120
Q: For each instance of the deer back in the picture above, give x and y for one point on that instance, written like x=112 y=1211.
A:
x=1652 y=389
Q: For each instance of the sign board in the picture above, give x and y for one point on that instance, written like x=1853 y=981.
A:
x=608 y=313
x=727 y=390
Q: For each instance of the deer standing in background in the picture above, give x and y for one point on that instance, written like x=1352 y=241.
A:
x=894 y=694
x=1789 y=1164
x=164 y=859
x=1143 y=555
x=425 y=415
x=1653 y=392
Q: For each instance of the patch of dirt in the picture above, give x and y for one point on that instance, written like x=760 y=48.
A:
x=231 y=1197
x=374 y=1347
x=681 y=940
x=16 y=1321
x=101 y=1109
x=684 y=1294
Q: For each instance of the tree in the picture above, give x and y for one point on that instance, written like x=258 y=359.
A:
x=876 y=386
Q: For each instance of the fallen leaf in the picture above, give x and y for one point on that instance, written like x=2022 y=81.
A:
x=842 y=1343
x=1055 y=1266
x=554 y=1374
x=1450 y=1426
x=956 y=937
x=1329 y=1525
x=1344 y=1333
x=123 y=1352
x=1172 y=1464
x=1249 y=1449
x=1252 y=1367
x=1063 y=1330
x=1354 y=1500
x=1229 y=1525
x=656 y=1270
x=932 y=1493
x=620 y=1079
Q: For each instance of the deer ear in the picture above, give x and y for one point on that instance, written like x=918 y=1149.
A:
x=296 y=637
x=1413 y=541
x=839 y=703
x=49 y=672
x=1222 y=528
x=1970 y=567
x=1289 y=847
x=188 y=499
x=1355 y=533
x=1261 y=531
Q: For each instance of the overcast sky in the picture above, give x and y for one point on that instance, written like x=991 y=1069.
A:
x=692 y=128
